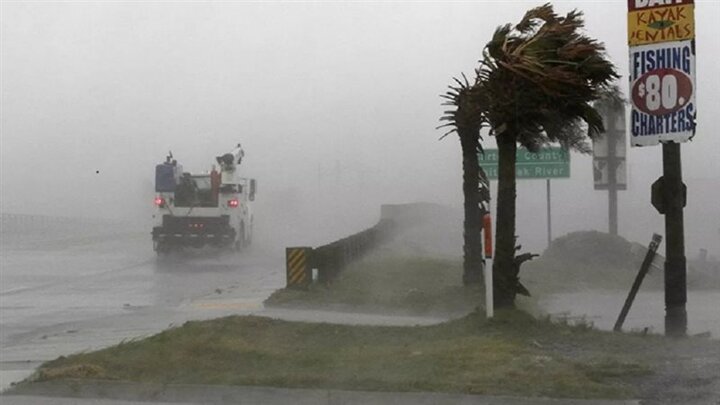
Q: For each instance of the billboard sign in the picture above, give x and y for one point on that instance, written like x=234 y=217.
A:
x=662 y=92
x=603 y=156
x=661 y=35
x=655 y=21
x=616 y=129
x=547 y=163
x=601 y=177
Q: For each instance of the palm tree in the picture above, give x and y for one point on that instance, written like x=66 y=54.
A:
x=466 y=120
x=536 y=81
x=610 y=100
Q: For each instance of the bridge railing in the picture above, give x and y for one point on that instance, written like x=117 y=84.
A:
x=331 y=259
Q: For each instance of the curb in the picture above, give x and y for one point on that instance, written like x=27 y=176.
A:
x=223 y=394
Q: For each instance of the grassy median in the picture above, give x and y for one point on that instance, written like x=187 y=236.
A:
x=513 y=354
x=386 y=283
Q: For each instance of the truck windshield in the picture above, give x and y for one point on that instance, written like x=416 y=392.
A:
x=195 y=191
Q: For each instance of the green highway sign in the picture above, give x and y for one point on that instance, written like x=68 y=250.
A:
x=548 y=163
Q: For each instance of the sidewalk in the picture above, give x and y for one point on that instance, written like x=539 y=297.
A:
x=120 y=393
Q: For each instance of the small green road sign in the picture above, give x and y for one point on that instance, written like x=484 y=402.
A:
x=548 y=163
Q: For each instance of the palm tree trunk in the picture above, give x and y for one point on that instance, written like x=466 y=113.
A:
x=472 y=226
x=504 y=274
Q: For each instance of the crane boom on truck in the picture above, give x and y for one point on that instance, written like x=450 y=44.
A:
x=210 y=209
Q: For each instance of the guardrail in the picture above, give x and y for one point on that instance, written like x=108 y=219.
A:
x=330 y=260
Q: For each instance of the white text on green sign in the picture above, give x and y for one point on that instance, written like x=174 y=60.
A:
x=548 y=163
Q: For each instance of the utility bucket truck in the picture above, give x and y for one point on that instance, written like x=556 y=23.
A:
x=210 y=209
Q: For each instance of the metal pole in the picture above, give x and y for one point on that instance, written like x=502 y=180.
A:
x=675 y=265
x=549 y=219
x=652 y=248
x=612 y=174
x=612 y=207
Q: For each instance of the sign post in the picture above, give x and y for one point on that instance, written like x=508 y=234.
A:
x=549 y=213
x=548 y=163
x=609 y=168
x=661 y=36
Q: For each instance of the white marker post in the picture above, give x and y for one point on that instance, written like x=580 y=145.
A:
x=487 y=272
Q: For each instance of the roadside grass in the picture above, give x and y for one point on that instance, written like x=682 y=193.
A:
x=512 y=354
x=388 y=283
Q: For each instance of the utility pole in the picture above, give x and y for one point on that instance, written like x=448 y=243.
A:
x=674 y=195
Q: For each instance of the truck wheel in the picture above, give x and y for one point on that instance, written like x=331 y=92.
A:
x=161 y=248
x=240 y=243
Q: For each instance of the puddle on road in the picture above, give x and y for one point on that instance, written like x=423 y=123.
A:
x=601 y=308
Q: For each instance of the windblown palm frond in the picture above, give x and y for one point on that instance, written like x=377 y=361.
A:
x=610 y=99
x=468 y=117
x=542 y=75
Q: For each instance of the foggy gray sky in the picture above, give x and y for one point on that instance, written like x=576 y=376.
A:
x=336 y=105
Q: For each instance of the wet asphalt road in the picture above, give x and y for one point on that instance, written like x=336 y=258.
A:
x=60 y=295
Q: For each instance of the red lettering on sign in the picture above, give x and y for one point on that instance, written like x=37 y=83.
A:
x=674 y=33
x=634 y=5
